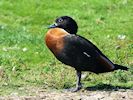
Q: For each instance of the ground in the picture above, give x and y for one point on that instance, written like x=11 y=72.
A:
x=41 y=94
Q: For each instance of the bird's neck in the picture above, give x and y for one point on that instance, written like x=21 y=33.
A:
x=57 y=32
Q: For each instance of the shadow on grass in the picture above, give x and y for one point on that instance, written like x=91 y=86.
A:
x=106 y=87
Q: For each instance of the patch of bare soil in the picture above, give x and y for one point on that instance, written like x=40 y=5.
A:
x=40 y=94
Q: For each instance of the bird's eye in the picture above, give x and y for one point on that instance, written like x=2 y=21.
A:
x=60 y=20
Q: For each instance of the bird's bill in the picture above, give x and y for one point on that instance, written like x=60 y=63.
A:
x=53 y=26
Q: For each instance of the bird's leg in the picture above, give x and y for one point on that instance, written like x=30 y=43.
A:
x=78 y=83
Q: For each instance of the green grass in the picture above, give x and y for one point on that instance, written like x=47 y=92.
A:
x=25 y=61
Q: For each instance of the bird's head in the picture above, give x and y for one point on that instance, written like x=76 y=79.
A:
x=66 y=23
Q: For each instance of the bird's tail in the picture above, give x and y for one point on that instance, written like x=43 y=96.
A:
x=120 y=67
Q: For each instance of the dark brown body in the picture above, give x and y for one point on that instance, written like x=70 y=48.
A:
x=75 y=51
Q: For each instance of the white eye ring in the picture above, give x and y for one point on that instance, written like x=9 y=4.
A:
x=60 y=20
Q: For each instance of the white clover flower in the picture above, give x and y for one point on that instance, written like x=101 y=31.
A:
x=24 y=49
x=4 y=49
x=121 y=37
x=2 y=27
x=108 y=36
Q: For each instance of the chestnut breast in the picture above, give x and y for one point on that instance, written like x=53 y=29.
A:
x=55 y=39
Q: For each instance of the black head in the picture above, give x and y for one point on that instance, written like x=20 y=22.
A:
x=67 y=23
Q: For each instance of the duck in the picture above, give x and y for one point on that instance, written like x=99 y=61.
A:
x=76 y=51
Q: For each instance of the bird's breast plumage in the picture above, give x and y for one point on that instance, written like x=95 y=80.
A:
x=55 y=39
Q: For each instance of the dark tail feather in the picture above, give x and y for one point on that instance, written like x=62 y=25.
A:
x=120 y=67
